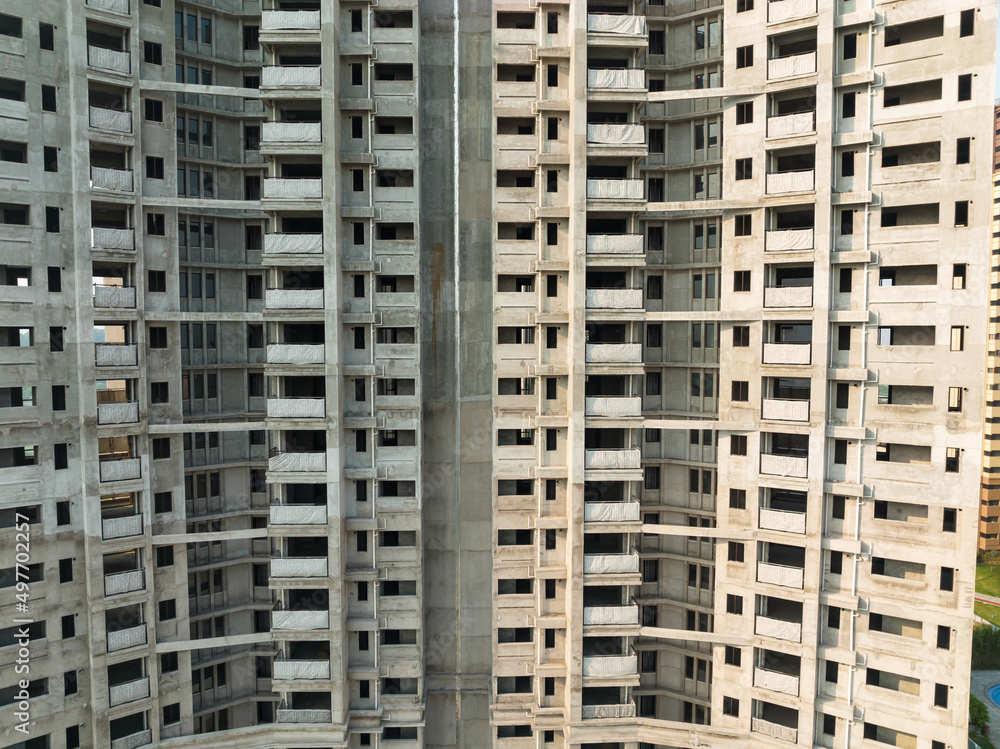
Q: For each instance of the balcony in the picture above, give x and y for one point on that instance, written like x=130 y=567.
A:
x=111 y=60
x=785 y=182
x=607 y=23
x=774 y=730
x=299 y=621
x=788 y=240
x=114 y=6
x=617 y=79
x=293 y=244
x=789 y=125
x=289 y=670
x=102 y=178
x=776 y=574
x=290 y=715
x=288 y=133
x=110 y=238
x=296 y=408
x=133 y=740
x=614 y=353
x=777 y=409
x=120 y=470
x=779 y=11
x=130 y=691
x=614 y=244
x=118 y=583
x=616 y=299
x=779 y=629
x=597 y=712
x=116 y=354
x=126 y=638
x=791 y=66
x=282 y=76
x=792 y=466
x=118 y=413
x=605 y=460
x=296 y=353
x=297 y=462
x=610 y=666
x=776 y=681
x=611 y=564
x=612 y=134
x=788 y=297
x=607 y=406
x=277 y=188
x=293 y=299
x=787 y=353
x=299 y=567
x=611 y=512
x=611 y=615
x=114 y=297
x=289 y=20
x=614 y=189
x=113 y=120
x=298 y=515
x=123 y=527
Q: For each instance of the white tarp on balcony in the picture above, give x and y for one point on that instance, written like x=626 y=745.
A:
x=291 y=132
x=787 y=10
x=787 y=353
x=295 y=353
x=611 y=512
x=280 y=76
x=611 y=459
x=616 y=134
x=111 y=119
x=614 y=353
x=618 y=299
x=298 y=567
x=120 y=470
x=608 y=711
x=775 y=730
x=129 y=525
x=300 y=620
x=776 y=681
x=304 y=716
x=115 y=6
x=118 y=413
x=616 y=23
x=309 y=462
x=108 y=59
x=289 y=20
x=129 y=691
x=611 y=564
x=111 y=179
x=618 y=615
x=786 y=67
x=779 y=629
x=109 y=238
x=303 y=669
x=778 y=182
x=777 y=297
x=298 y=189
x=293 y=244
x=610 y=666
x=616 y=244
x=123 y=582
x=115 y=354
x=791 y=124
x=293 y=299
x=126 y=638
x=617 y=189
x=788 y=239
x=296 y=408
x=298 y=514
x=613 y=406
x=114 y=297
x=776 y=574
x=785 y=410
x=784 y=465
x=622 y=79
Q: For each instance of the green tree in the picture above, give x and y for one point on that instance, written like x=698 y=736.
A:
x=979 y=716
x=992 y=558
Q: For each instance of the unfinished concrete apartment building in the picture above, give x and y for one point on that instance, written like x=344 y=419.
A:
x=551 y=373
x=989 y=518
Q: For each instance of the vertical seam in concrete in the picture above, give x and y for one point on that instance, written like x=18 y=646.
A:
x=458 y=364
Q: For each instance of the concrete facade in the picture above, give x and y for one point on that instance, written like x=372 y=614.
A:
x=528 y=374
x=989 y=513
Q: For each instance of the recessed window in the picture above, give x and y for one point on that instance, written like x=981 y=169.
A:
x=10 y=26
x=157 y=337
x=740 y=391
x=744 y=169
x=159 y=392
x=741 y=336
x=744 y=56
x=743 y=224
x=965 y=87
x=744 y=113
x=153 y=110
x=48 y=98
x=741 y=280
x=152 y=53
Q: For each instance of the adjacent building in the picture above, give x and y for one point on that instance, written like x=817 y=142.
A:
x=515 y=374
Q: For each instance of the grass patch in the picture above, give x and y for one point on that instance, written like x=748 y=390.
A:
x=988 y=612
x=982 y=741
x=987 y=580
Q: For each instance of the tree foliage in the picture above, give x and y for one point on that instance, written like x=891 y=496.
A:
x=985 y=647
